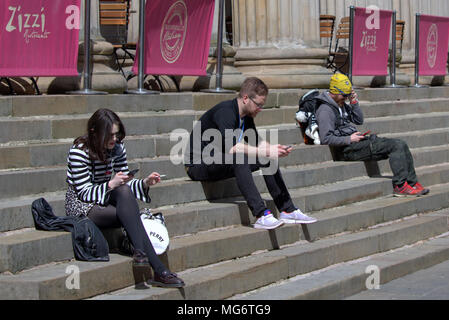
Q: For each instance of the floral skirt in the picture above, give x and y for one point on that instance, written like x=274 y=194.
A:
x=74 y=206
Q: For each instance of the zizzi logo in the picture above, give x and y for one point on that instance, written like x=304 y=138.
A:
x=369 y=41
x=33 y=24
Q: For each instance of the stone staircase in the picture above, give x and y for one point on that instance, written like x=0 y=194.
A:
x=213 y=247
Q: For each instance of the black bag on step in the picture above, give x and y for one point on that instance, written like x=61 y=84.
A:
x=88 y=241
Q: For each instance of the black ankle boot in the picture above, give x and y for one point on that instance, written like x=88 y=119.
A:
x=167 y=279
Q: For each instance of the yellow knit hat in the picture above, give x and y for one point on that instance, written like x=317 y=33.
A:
x=340 y=84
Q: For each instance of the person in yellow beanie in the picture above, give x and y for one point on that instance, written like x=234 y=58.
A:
x=336 y=121
x=340 y=84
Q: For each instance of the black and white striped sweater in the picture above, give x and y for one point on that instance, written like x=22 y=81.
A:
x=90 y=178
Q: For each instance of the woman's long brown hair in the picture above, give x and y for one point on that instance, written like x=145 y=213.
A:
x=99 y=128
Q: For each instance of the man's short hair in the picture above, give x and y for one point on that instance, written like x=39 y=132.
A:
x=253 y=87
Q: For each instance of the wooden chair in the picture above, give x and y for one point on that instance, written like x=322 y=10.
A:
x=400 y=29
x=11 y=87
x=327 y=23
x=338 y=58
x=114 y=19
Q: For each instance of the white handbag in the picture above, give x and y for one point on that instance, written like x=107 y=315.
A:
x=156 y=230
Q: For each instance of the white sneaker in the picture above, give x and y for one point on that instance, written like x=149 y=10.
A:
x=267 y=222
x=296 y=217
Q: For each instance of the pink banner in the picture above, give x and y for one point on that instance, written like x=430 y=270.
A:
x=39 y=37
x=177 y=36
x=433 y=45
x=372 y=29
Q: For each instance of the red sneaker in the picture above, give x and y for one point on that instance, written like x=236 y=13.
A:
x=418 y=186
x=405 y=190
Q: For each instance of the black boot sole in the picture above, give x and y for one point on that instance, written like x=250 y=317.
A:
x=165 y=285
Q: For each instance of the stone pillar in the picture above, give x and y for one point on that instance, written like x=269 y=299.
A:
x=278 y=41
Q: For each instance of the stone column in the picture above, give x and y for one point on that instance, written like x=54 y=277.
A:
x=278 y=41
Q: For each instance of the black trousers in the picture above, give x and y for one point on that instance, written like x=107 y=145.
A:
x=376 y=148
x=123 y=210
x=245 y=182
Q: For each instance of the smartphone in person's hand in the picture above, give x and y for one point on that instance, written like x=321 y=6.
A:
x=364 y=134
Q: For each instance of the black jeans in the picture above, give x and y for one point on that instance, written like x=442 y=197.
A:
x=245 y=182
x=123 y=210
x=395 y=150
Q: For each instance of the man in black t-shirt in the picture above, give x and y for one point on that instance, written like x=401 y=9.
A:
x=225 y=143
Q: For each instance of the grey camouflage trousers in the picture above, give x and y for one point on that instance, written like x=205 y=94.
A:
x=376 y=148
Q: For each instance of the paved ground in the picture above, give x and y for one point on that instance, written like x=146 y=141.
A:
x=427 y=284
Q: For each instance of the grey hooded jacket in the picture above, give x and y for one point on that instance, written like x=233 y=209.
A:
x=336 y=131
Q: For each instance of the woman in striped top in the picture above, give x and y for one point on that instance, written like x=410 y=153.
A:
x=111 y=200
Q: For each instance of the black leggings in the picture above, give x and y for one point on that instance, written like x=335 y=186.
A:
x=123 y=210
x=245 y=182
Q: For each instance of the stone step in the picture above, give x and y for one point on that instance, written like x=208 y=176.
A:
x=208 y=246
x=20 y=129
x=351 y=277
x=388 y=94
x=227 y=279
x=404 y=106
x=422 y=138
x=27 y=248
x=16 y=183
x=211 y=216
x=417 y=122
x=42 y=126
x=61 y=127
x=24 y=106
x=426 y=284
x=54 y=152
x=237 y=275
x=294 y=177
x=15 y=211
